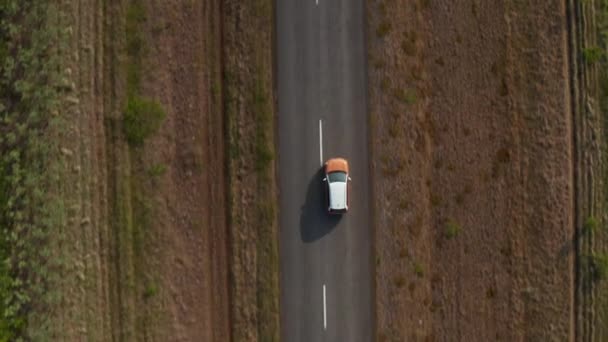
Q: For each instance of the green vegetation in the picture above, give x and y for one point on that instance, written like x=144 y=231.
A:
x=157 y=170
x=131 y=201
x=136 y=47
x=264 y=155
x=407 y=96
x=590 y=225
x=598 y=267
x=592 y=54
x=142 y=118
x=248 y=101
x=28 y=96
x=452 y=229
x=267 y=249
x=602 y=23
x=418 y=269
x=151 y=291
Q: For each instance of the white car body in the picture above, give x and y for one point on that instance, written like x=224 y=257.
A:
x=338 y=196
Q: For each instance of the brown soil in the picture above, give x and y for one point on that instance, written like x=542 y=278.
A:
x=473 y=156
x=249 y=108
x=146 y=237
x=590 y=112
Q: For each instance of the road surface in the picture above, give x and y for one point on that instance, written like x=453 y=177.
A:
x=326 y=270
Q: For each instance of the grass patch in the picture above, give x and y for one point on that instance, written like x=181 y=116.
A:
x=418 y=269
x=248 y=101
x=590 y=225
x=592 y=54
x=132 y=201
x=267 y=249
x=406 y=96
x=452 y=229
x=598 y=267
x=135 y=45
x=157 y=170
x=264 y=149
x=150 y=291
x=142 y=118
x=30 y=216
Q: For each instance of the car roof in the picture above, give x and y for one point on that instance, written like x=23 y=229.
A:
x=336 y=164
x=337 y=195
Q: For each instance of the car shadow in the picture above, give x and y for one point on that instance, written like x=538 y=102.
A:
x=315 y=222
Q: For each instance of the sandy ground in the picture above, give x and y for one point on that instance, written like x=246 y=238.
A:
x=472 y=146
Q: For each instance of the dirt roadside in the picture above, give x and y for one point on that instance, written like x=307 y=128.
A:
x=470 y=117
x=589 y=63
x=146 y=237
x=249 y=106
x=161 y=263
x=162 y=189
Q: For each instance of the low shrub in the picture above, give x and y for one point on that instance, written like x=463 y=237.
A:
x=592 y=54
x=598 y=267
x=590 y=225
x=143 y=117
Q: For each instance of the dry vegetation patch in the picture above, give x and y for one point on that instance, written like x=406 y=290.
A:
x=249 y=108
x=471 y=120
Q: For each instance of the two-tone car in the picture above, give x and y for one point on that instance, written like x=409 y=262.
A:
x=337 y=182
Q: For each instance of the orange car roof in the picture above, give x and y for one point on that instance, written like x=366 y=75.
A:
x=336 y=164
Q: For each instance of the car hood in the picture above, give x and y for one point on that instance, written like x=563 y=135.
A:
x=336 y=164
x=337 y=195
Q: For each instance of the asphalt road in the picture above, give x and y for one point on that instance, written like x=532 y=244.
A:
x=326 y=271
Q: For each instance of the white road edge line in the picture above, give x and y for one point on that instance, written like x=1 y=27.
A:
x=324 y=309
x=321 y=141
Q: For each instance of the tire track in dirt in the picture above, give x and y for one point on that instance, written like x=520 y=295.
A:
x=84 y=313
x=92 y=225
x=119 y=258
x=588 y=165
x=573 y=21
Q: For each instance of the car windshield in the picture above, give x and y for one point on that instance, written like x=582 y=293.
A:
x=337 y=176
